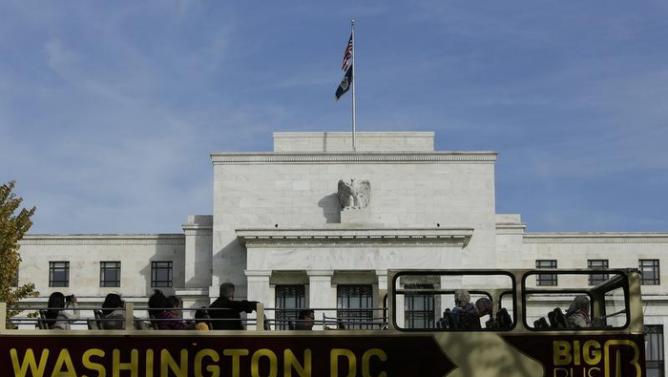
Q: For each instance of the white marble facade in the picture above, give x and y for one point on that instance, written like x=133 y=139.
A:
x=276 y=219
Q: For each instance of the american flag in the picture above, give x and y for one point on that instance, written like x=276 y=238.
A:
x=348 y=55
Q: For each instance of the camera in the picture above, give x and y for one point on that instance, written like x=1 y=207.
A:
x=69 y=298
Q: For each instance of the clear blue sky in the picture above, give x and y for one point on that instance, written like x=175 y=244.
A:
x=109 y=109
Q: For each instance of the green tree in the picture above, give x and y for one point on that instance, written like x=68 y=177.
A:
x=13 y=226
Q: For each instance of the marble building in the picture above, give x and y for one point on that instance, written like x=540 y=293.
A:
x=311 y=218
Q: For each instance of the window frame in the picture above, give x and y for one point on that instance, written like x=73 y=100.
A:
x=362 y=314
x=61 y=283
x=15 y=279
x=512 y=291
x=525 y=290
x=427 y=315
x=284 y=314
x=596 y=279
x=155 y=283
x=111 y=283
x=655 y=364
x=656 y=279
x=547 y=280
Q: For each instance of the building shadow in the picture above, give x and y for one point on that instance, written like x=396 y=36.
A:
x=331 y=209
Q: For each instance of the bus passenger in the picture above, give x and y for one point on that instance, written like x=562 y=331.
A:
x=465 y=316
x=225 y=310
x=113 y=314
x=56 y=315
x=163 y=315
x=484 y=307
x=577 y=315
x=202 y=319
x=305 y=320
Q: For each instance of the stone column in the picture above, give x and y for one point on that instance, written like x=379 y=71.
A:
x=198 y=245
x=322 y=295
x=260 y=290
x=399 y=310
x=382 y=291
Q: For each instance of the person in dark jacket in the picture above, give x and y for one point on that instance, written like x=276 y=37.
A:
x=225 y=311
x=305 y=320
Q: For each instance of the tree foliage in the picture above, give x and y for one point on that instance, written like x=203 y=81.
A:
x=13 y=226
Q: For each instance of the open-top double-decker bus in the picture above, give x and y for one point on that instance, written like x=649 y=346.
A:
x=514 y=323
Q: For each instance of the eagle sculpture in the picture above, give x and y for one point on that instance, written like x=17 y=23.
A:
x=354 y=193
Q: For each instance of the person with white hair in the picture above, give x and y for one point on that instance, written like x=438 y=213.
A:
x=465 y=315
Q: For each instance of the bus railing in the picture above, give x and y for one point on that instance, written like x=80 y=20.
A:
x=282 y=319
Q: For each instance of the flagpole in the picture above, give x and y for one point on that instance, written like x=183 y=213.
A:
x=352 y=33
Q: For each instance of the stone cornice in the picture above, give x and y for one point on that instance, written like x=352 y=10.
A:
x=510 y=229
x=351 y=158
x=196 y=229
x=103 y=239
x=358 y=237
x=318 y=135
x=596 y=237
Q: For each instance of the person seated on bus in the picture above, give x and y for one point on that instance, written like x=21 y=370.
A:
x=464 y=314
x=58 y=314
x=176 y=305
x=225 y=311
x=557 y=319
x=113 y=312
x=446 y=321
x=202 y=319
x=305 y=320
x=577 y=315
x=484 y=307
x=164 y=313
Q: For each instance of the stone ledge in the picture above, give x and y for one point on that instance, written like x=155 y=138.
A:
x=596 y=237
x=352 y=157
x=354 y=237
x=103 y=239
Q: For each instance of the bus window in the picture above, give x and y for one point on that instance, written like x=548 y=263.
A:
x=454 y=301
x=575 y=300
x=615 y=309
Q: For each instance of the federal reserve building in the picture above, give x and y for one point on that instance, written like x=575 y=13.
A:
x=314 y=224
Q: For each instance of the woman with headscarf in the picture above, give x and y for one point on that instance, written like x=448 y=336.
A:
x=61 y=311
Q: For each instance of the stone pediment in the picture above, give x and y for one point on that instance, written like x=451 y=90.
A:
x=351 y=237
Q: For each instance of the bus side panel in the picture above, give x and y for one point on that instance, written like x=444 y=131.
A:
x=319 y=355
x=620 y=355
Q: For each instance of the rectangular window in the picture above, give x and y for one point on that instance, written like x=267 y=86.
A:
x=161 y=274
x=289 y=300
x=419 y=308
x=577 y=305
x=546 y=279
x=15 y=279
x=654 y=350
x=436 y=300
x=649 y=270
x=597 y=264
x=354 y=304
x=110 y=274
x=59 y=274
